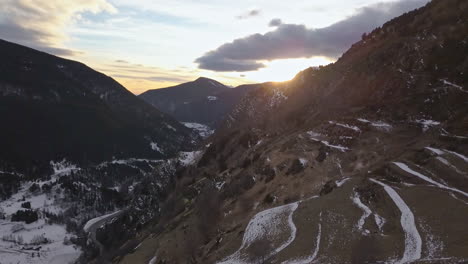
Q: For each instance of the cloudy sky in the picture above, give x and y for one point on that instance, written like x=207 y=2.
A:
x=147 y=44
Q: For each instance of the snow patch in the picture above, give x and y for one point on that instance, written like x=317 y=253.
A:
x=326 y=143
x=189 y=158
x=458 y=155
x=314 y=134
x=413 y=242
x=203 y=130
x=367 y=212
x=427 y=179
x=219 y=185
x=310 y=258
x=63 y=167
x=171 y=127
x=340 y=183
x=380 y=221
x=448 y=164
x=277 y=97
x=426 y=123
x=355 y=128
x=153 y=260
x=93 y=221
x=377 y=124
x=434 y=150
x=154 y=146
x=453 y=85
x=303 y=162
x=266 y=225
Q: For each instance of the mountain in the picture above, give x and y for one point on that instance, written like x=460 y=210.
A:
x=202 y=101
x=361 y=161
x=52 y=108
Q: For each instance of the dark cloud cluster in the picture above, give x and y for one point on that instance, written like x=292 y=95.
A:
x=249 y=14
x=275 y=22
x=297 y=41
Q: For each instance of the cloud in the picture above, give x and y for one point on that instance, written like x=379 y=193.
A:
x=249 y=14
x=121 y=61
x=41 y=24
x=275 y=22
x=298 y=41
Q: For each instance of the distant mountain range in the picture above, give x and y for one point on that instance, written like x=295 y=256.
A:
x=203 y=101
x=52 y=108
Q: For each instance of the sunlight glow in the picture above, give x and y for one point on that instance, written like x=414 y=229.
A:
x=284 y=70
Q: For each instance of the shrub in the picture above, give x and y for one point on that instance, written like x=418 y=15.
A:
x=39 y=239
x=295 y=168
x=27 y=216
x=269 y=198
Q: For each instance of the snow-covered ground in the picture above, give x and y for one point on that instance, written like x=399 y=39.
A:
x=326 y=143
x=426 y=123
x=39 y=241
x=427 y=179
x=277 y=97
x=366 y=213
x=153 y=260
x=379 y=221
x=203 y=130
x=340 y=183
x=377 y=124
x=355 y=128
x=314 y=254
x=154 y=146
x=267 y=226
x=52 y=251
x=453 y=85
x=132 y=163
x=93 y=221
x=189 y=158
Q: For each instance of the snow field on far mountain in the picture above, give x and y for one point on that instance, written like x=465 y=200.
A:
x=203 y=130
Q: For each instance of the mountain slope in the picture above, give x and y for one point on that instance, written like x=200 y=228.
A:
x=361 y=161
x=203 y=101
x=52 y=108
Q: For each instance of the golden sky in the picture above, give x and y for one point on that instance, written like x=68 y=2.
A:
x=149 y=44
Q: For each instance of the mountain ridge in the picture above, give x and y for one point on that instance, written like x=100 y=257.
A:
x=204 y=100
x=75 y=113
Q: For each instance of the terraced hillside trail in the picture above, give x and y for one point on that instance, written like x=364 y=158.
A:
x=312 y=231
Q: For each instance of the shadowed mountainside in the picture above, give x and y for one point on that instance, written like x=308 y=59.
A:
x=203 y=101
x=52 y=108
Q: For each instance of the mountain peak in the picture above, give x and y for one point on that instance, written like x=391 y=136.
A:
x=210 y=82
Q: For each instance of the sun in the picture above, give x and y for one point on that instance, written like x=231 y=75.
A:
x=285 y=70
